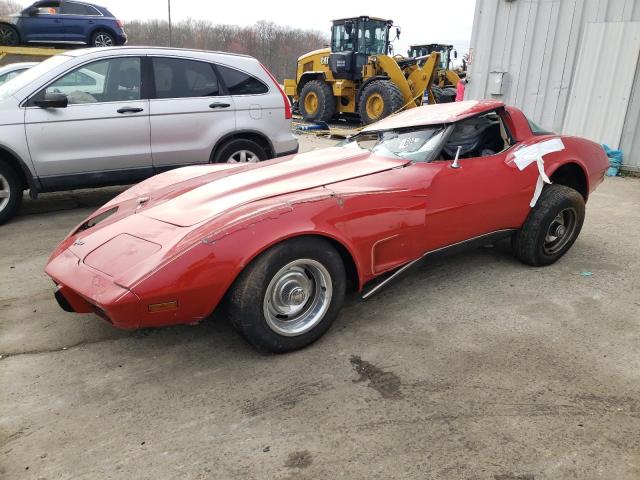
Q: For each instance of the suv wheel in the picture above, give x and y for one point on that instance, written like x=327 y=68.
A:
x=10 y=192
x=102 y=39
x=8 y=36
x=240 y=151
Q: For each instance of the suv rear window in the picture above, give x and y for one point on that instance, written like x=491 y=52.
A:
x=180 y=78
x=240 y=83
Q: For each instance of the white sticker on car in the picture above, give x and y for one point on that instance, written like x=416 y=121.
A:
x=534 y=153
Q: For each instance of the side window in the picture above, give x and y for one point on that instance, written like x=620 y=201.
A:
x=480 y=136
x=180 y=78
x=48 y=8
x=92 y=11
x=537 y=130
x=8 y=76
x=111 y=80
x=240 y=83
x=71 y=8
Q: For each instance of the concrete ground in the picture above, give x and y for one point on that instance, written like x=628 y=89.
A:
x=475 y=367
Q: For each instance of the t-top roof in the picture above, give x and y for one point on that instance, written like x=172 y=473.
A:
x=435 y=114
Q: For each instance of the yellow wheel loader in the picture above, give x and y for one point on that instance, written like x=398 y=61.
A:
x=446 y=76
x=358 y=74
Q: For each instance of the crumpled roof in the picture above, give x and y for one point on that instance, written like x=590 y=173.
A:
x=434 y=114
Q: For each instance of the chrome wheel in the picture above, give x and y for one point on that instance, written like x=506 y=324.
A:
x=103 y=40
x=297 y=297
x=560 y=231
x=243 y=156
x=5 y=192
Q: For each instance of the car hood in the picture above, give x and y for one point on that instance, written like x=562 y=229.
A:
x=202 y=193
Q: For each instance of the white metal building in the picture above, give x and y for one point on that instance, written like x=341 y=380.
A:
x=571 y=65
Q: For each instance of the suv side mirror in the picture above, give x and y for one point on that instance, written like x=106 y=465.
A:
x=31 y=11
x=52 y=100
x=455 y=54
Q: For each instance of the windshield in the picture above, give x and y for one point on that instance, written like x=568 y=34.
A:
x=416 y=145
x=12 y=86
x=372 y=38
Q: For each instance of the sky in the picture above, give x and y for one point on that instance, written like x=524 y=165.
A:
x=428 y=21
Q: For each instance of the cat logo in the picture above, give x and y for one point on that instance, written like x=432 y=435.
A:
x=324 y=60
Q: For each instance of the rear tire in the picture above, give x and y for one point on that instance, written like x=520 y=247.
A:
x=552 y=226
x=240 y=151
x=9 y=36
x=316 y=102
x=102 y=39
x=289 y=296
x=10 y=192
x=379 y=99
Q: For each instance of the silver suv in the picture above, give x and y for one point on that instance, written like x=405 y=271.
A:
x=111 y=116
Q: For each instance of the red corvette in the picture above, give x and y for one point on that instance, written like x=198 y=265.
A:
x=277 y=244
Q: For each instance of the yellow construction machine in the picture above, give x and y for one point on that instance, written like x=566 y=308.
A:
x=359 y=74
x=446 y=75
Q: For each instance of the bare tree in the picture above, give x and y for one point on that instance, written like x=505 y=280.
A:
x=277 y=47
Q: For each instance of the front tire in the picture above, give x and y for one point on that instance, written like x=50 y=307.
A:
x=10 y=192
x=102 y=39
x=379 y=99
x=9 y=36
x=552 y=226
x=240 y=151
x=289 y=296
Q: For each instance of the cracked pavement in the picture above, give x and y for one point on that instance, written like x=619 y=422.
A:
x=474 y=367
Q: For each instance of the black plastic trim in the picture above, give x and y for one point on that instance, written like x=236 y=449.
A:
x=94 y=179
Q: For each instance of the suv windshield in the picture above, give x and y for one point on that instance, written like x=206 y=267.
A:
x=415 y=145
x=15 y=84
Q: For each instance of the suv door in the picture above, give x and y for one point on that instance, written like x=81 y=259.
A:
x=78 y=19
x=42 y=22
x=102 y=136
x=189 y=111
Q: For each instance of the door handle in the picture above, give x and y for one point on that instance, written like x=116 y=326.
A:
x=130 y=110
x=219 y=105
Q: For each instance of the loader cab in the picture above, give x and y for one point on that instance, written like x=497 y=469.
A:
x=353 y=41
x=444 y=51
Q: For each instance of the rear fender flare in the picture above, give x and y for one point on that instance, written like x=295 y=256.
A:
x=307 y=77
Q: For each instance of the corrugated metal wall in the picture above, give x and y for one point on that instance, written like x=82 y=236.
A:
x=536 y=44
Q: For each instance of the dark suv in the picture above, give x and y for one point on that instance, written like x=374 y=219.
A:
x=62 y=22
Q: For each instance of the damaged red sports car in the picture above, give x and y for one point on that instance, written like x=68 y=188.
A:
x=278 y=243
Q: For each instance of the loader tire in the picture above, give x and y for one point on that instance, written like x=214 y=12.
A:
x=316 y=102
x=379 y=99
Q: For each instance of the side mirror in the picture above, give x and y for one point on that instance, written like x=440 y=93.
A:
x=398 y=32
x=31 y=11
x=455 y=54
x=52 y=100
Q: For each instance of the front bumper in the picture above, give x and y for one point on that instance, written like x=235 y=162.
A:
x=81 y=289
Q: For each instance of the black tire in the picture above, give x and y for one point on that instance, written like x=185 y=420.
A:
x=9 y=181
x=9 y=36
x=533 y=244
x=102 y=38
x=388 y=92
x=326 y=104
x=246 y=304
x=233 y=148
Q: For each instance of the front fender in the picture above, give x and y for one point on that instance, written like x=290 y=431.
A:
x=200 y=275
